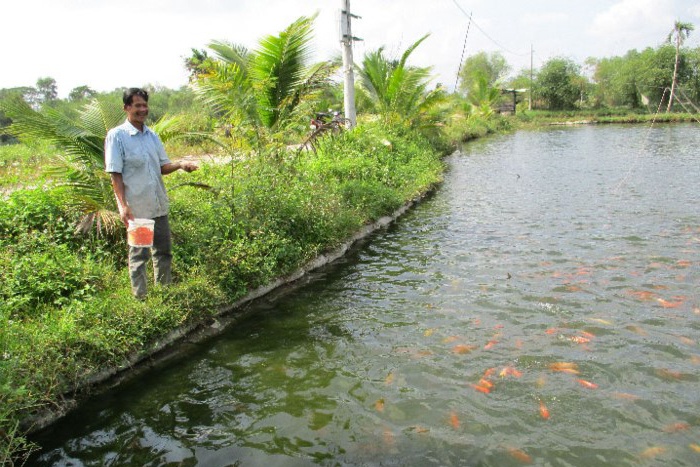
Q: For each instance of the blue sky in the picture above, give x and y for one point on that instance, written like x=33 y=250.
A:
x=108 y=44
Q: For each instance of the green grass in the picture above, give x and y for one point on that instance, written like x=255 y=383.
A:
x=20 y=164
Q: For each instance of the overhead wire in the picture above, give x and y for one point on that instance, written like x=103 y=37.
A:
x=464 y=48
x=502 y=47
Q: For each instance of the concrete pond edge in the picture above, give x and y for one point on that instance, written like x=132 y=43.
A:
x=183 y=339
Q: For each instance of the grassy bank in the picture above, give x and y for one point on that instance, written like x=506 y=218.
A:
x=541 y=118
x=67 y=312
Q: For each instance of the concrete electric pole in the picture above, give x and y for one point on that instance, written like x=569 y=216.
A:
x=346 y=39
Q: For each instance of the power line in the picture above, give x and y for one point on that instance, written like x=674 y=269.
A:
x=505 y=49
x=464 y=48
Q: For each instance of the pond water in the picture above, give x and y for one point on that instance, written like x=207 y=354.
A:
x=542 y=307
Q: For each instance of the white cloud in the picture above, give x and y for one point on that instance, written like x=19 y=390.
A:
x=544 y=18
x=633 y=23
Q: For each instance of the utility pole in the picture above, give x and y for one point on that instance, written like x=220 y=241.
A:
x=346 y=39
x=529 y=105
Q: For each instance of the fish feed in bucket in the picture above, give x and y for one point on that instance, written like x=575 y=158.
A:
x=140 y=233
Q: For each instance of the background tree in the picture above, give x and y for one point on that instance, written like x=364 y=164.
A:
x=80 y=93
x=491 y=66
x=47 y=89
x=677 y=36
x=558 y=84
x=198 y=63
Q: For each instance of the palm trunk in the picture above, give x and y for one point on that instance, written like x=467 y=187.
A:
x=675 y=72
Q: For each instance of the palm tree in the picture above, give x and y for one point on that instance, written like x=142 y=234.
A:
x=395 y=90
x=680 y=33
x=79 y=168
x=261 y=93
x=482 y=95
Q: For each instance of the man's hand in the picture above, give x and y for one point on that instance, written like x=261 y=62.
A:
x=125 y=214
x=171 y=167
x=188 y=166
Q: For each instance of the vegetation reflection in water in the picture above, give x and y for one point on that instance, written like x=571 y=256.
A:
x=541 y=308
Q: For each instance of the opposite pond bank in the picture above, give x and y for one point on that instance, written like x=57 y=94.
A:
x=68 y=316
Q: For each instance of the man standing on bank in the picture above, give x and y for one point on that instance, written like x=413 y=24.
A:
x=136 y=161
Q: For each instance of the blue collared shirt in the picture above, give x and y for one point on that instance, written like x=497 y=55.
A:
x=138 y=156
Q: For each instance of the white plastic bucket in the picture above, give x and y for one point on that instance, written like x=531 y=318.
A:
x=140 y=233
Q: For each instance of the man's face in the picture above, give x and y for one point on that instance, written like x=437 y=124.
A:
x=137 y=111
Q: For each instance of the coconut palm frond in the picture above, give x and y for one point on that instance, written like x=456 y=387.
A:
x=279 y=65
x=231 y=53
x=102 y=221
x=98 y=117
x=394 y=88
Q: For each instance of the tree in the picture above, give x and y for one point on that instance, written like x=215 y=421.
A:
x=260 y=93
x=395 y=90
x=81 y=92
x=558 y=83
x=493 y=67
x=198 y=63
x=679 y=34
x=47 y=89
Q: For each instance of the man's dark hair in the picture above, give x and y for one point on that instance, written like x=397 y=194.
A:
x=129 y=94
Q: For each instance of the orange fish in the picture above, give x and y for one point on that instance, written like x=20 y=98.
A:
x=490 y=344
x=449 y=339
x=480 y=388
x=379 y=405
x=510 y=371
x=463 y=348
x=520 y=455
x=564 y=367
x=454 y=420
x=686 y=340
x=587 y=384
x=675 y=427
x=668 y=374
x=485 y=383
x=695 y=447
x=544 y=412
x=579 y=339
x=667 y=304
x=587 y=334
x=683 y=263
x=643 y=295
x=653 y=451
x=551 y=331
x=389 y=379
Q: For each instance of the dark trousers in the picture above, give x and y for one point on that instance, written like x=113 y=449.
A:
x=162 y=259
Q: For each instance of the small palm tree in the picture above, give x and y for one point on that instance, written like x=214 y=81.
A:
x=396 y=90
x=261 y=93
x=482 y=95
x=679 y=34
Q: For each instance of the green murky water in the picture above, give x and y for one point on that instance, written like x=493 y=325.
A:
x=437 y=342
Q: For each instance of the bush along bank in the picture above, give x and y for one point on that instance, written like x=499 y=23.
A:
x=67 y=314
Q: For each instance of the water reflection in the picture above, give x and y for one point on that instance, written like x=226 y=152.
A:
x=555 y=269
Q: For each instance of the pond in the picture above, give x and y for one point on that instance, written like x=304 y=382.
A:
x=542 y=307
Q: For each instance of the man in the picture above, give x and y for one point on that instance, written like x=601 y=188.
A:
x=136 y=161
